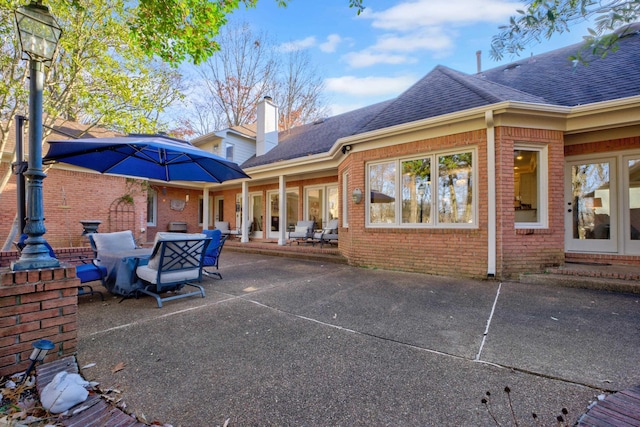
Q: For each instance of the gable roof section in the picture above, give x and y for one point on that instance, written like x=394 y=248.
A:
x=554 y=77
x=317 y=137
x=444 y=91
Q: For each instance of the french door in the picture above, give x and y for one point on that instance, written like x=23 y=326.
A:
x=591 y=206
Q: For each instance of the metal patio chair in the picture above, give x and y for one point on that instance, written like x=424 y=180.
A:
x=176 y=262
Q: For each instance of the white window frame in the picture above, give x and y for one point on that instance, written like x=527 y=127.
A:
x=154 y=213
x=543 y=184
x=434 y=223
x=345 y=199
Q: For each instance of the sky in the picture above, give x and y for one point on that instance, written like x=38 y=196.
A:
x=378 y=54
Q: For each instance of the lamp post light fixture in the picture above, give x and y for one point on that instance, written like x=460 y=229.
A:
x=39 y=34
x=40 y=349
x=421 y=191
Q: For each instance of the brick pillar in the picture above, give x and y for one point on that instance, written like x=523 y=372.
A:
x=37 y=304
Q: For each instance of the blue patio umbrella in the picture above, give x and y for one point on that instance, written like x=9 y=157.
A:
x=147 y=156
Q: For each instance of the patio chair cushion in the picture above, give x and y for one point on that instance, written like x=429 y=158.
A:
x=303 y=230
x=90 y=272
x=151 y=275
x=114 y=242
x=223 y=226
x=154 y=262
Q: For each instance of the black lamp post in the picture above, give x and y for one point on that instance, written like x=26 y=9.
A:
x=421 y=190
x=39 y=34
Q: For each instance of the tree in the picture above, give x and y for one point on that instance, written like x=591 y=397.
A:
x=248 y=67
x=542 y=19
x=298 y=91
x=177 y=30
x=240 y=73
x=99 y=78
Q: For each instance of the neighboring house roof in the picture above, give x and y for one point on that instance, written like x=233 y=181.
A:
x=317 y=137
x=248 y=131
x=63 y=129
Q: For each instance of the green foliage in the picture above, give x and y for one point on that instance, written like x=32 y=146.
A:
x=542 y=19
x=180 y=30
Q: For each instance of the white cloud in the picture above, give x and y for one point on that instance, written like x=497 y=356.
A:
x=368 y=58
x=369 y=86
x=331 y=44
x=431 y=39
x=298 y=44
x=422 y=13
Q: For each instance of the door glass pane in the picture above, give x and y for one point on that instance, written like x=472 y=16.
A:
x=314 y=204
x=634 y=199
x=292 y=209
x=256 y=210
x=275 y=209
x=332 y=199
x=591 y=212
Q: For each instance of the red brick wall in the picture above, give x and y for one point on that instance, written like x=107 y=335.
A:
x=73 y=196
x=529 y=250
x=34 y=305
x=462 y=252
x=456 y=252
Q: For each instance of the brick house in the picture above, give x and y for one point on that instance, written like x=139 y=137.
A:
x=503 y=172
x=507 y=171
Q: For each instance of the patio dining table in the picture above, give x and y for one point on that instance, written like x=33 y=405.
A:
x=121 y=279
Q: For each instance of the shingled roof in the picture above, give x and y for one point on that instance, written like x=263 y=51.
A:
x=317 y=137
x=549 y=78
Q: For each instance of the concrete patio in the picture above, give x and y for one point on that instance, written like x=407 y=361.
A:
x=283 y=341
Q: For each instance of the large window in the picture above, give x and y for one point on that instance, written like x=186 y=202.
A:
x=405 y=192
x=529 y=185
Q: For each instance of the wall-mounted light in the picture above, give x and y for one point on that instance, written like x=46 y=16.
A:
x=356 y=196
x=346 y=149
x=186 y=197
x=40 y=349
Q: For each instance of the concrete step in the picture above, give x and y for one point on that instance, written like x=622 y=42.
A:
x=590 y=276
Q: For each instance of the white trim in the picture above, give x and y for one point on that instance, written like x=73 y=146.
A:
x=491 y=195
x=282 y=220
x=433 y=156
x=346 y=197
x=542 y=183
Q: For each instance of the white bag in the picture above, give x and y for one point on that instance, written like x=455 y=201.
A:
x=63 y=392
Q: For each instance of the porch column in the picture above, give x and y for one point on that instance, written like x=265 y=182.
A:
x=205 y=208
x=491 y=194
x=245 y=212
x=282 y=210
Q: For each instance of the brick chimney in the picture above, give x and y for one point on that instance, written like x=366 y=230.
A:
x=267 y=131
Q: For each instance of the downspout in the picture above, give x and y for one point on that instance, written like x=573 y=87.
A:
x=282 y=211
x=491 y=194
